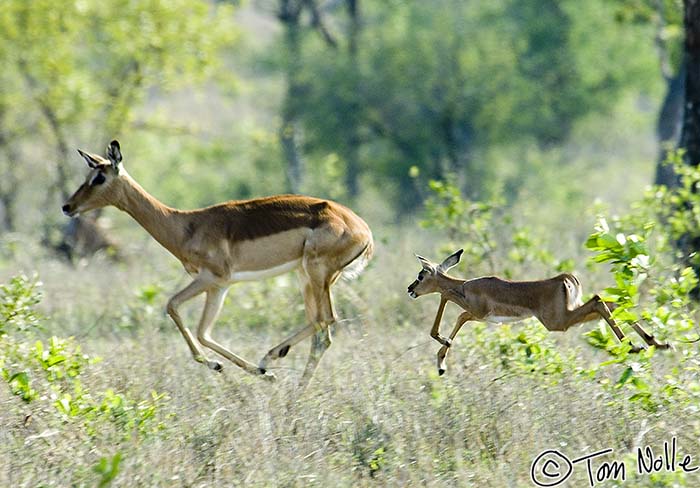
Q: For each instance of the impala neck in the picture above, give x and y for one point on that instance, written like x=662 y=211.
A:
x=159 y=220
x=449 y=284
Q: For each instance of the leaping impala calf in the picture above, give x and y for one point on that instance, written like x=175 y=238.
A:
x=240 y=240
x=555 y=302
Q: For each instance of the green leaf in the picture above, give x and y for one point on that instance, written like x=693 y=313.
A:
x=607 y=241
x=54 y=360
x=625 y=376
x=643 y=395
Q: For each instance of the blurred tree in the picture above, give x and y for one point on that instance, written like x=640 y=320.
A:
x=10 y=133
x=289 y=13
x=39 y=39
x=669 y=35
x=690 y=136
x=668 y=127
x=85 y=67
x=354 y=108
x=429 y=84
x=666 y=17
x=9 y=184
x=679 y=117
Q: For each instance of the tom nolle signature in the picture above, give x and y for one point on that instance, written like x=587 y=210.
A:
x=552 y=468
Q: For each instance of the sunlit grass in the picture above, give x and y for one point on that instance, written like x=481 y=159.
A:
x=376 y=413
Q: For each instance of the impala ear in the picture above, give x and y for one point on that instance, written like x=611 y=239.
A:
x=114 y=154
x=451 y=261
x=92 y=162
x=427 y=265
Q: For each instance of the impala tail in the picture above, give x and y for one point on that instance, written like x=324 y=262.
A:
x=357 y=265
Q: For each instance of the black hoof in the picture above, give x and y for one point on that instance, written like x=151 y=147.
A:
x=262 y=370
x=218 y=367
x=283 y=351
x=441 y=371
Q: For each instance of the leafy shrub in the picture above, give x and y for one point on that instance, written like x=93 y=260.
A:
x=128 y=415
x=17 y=301
x=526 y=349
x=491 y=241
x=36 y=370
x=654 y=284
x=466 y=224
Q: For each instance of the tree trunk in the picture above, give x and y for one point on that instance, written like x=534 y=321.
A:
x=81 y=236
x=9 y=186
x=457 y=138
x=8 y=197
x=289 y=15
x=690 y=136
x=352 y=172
x=669 y=126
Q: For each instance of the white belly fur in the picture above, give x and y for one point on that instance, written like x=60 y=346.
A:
x=264 y=273
x=503 y=319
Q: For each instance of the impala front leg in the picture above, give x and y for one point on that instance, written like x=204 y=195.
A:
x=442 y=353
x=212 y=307
x=195 y=288
x=435 y=331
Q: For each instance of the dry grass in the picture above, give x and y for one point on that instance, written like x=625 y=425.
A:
x=376 y=413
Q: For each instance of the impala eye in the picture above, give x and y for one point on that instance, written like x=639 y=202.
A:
x=99 y=179
x=420 y=277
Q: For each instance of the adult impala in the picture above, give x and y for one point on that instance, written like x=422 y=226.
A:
x=555 y=302
x=239 y=240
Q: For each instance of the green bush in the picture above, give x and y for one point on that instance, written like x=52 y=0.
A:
x=17 y=301
x=38 y=370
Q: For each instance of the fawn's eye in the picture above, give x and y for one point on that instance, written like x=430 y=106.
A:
x=99 y=179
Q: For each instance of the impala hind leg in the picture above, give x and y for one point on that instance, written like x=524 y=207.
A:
x=648 y=338
x=281 y=350
x=212 y=307
x=442 y=353
x=591 y=310
x=190 y=291
x=320 y=315
x=321 y=340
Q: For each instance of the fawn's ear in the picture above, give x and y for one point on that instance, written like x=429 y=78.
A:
x=114 y=154
x=451 y=261
x=427 y=265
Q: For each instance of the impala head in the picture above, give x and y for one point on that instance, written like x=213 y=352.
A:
x=427 y=280
x=101 y=185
